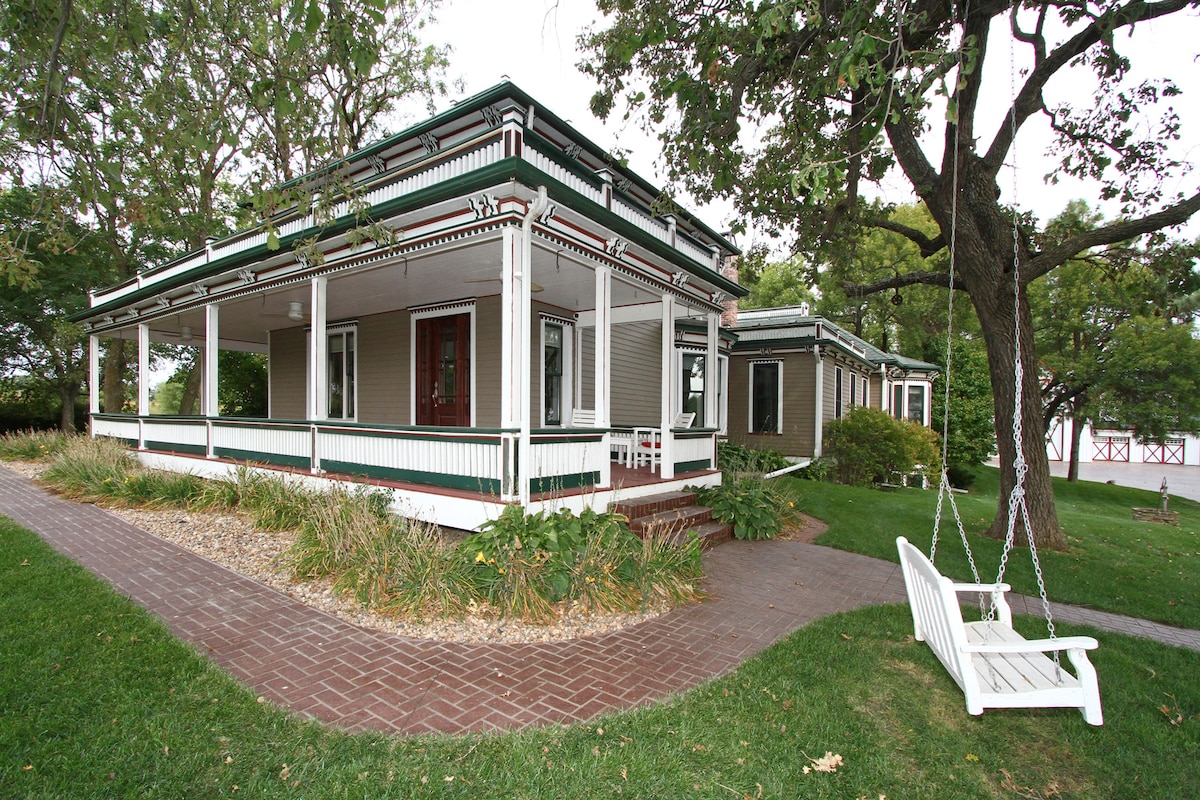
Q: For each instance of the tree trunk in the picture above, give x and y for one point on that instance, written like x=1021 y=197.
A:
x=994 y=305
x=114 y=378
x=67 y=394
x=191 y=390
x=1077 y=423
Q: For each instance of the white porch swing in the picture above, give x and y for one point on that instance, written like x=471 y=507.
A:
x=993 y=665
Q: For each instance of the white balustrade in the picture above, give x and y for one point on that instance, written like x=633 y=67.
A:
x=290 y=443
x=695 y=448
x=683 y=245
x=471 y=456
x=561 y=457
x=187 y=434
x=562 y=174
x=116 y=428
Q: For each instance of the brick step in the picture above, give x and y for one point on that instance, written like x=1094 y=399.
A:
x=674 y=520
x=710 y=534
x=653 y=504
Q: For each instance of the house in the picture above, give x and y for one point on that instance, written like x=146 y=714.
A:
x=483 y=309
x=791 y=372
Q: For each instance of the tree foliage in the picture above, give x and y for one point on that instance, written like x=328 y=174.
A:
x=794 y=106
x=869 y=446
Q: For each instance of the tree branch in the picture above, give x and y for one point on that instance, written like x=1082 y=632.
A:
x=1110 y=234
x=941 y=279
x=928 y=245
x=1029 y=100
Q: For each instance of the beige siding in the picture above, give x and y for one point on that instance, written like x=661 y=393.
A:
x=383 y=369
x=288 y=369
x=587 y=367
x=636 y=374
x=487 y=362
x=798 y=421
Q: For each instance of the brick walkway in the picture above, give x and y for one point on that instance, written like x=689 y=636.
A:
x=319 y=666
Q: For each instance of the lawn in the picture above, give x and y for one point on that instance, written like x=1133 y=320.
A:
x=100 y=700
x=1114 y=564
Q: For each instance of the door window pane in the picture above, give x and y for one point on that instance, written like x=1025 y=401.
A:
x=553 y=368
x=693 y=387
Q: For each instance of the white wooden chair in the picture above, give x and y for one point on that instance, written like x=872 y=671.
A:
x=648 y=441
x=994 y=665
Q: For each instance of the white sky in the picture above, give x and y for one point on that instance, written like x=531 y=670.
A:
x=533 y=43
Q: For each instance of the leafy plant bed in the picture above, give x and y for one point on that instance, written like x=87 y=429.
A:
x=524 y=578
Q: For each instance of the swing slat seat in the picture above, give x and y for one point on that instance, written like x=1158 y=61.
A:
x=993 y=665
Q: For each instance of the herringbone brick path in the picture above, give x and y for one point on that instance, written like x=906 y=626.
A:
x=320 y=666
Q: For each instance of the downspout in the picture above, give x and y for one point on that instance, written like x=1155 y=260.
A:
x=525 y=446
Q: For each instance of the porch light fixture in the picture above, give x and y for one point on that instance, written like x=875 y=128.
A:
x=295 y=311
x=185 y=333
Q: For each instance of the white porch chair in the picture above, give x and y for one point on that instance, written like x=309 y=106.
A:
x=648 y=441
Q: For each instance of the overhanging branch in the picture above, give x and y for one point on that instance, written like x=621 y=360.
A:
x=941 y=279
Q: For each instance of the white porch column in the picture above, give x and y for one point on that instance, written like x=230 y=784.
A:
x=711 y=412
x=143 y=396
x=603 y=365
x=209 y=406
x=511 y=243
x=93 y=374
x=666 y=455
x=318 y=366
x=819 y=399
x=208 y=371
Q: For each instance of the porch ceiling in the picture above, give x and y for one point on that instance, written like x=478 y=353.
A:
x=448 y=273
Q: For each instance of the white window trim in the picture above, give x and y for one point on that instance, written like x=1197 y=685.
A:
x=449 y=310
x=839 y=393
x=677 y=373
x=723 y=395
x=778 y=396
x=330 y=330
x=568 y=367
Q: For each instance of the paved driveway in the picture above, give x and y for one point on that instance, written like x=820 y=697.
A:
x=1181 y=481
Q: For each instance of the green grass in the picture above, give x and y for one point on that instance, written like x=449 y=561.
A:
x=1114 y=564
x=100 y=701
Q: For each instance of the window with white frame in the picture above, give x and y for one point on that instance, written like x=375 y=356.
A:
x=557 y=358
x=766 y=397
x=342 y=360
x=866 y=392
x=916 y=403
x=898 y=401
x=722 y=400
x=692 y=386
x=838 y=393
x=853 y=391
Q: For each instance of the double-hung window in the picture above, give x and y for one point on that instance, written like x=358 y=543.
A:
x=766 y=397
x=342 y=352
x=693 y=387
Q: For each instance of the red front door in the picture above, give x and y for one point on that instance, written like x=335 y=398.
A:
x=444 y=371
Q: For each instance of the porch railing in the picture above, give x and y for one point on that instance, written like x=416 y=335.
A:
x=472 y=459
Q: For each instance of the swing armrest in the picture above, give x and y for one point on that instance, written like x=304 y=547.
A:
x=1034 y=645
x=985 y=588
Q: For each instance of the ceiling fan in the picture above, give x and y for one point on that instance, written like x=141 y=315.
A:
x=533 y=286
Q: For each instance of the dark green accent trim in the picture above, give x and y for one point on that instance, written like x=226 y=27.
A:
x=415 y=435
x=261 y=425
x=693 y=433
x=539 y=439
x=512 y=168
x=483 y=485
x=177 y=420
x=121 y=439
x=549 y=484
x=692 y=466
x=265 y=458
x=116 y=417
x=171 y=447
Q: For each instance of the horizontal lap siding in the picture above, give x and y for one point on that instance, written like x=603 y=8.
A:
x=383 y=369
x=488 y=336
x=288 y=368
x=636 y=374
x=799 y=375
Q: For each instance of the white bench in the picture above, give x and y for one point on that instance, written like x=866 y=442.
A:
x=994 y=665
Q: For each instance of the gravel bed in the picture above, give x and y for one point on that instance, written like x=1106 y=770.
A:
x=230 y=540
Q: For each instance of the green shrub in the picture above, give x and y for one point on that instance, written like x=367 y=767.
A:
x=817 y=470
x=733 y=457
x=525 y=565
x=869 y=446
x=757 y=509
x=32 y=445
